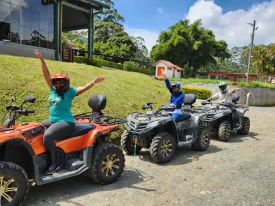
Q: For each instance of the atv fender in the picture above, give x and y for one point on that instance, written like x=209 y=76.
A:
x=10 y=151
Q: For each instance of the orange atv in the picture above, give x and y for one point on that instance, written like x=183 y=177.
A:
x=24 y=159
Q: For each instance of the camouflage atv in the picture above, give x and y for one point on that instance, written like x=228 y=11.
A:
x=159 y=132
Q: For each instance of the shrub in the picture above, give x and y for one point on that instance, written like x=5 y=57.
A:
x=201 y=93
x=97 y=62
x=129 y=66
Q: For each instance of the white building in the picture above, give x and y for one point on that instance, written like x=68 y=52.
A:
x=170 y=69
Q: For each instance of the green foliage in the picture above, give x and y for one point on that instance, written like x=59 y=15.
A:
x=200 y=93
x=189 y=46
x=97 y=62
x=129 y=66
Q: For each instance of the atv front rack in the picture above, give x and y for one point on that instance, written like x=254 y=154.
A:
x=108 y=120
x=147 y=115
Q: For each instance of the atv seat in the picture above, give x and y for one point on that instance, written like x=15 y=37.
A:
x=81 y=129
x=184 y=116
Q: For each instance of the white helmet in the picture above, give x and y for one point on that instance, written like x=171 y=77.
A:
x=223 y=87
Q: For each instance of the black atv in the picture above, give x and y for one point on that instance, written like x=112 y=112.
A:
x=159 y=132
x=224 y=117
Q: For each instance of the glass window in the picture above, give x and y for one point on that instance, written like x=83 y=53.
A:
x=50 y=11
x=35 y=5
x=26 y=3
x=51 y=24
x=8 y=1
x=51 y=41
x=17 y=2
x=44 y=9
x=4 y=12
x=4 y=30
x=15 y=14
x=35 y=36
x=26 y=17
x=35 y=19
x=43 y=23
x=15 y=33
x=26 y=35
x=43 y=39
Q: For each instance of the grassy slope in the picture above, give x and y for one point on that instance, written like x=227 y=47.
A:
x=125 y=91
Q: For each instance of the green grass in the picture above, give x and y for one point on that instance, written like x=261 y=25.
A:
x=125 y=91
x=198 y=80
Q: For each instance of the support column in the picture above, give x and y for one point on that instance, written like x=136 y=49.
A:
x=60 y=31
x=57 y=30
x=91 y=35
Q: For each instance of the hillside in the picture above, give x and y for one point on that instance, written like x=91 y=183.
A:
x=125 y=91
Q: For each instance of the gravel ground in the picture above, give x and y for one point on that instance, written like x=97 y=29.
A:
x=240 y=172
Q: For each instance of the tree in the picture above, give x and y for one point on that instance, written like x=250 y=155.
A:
x=190 y=46
x=111 y=38
x=263 y=59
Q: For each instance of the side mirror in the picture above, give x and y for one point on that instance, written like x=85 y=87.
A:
x=30 y=99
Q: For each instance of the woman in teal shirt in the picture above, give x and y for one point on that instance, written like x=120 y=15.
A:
x=61 y=122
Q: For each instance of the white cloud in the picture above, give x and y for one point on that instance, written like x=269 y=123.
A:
x=149 y=37
x=160 y=10
x=232 y=26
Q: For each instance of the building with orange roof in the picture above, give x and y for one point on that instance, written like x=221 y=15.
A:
x=172 y=70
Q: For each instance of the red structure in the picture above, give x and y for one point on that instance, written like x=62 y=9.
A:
x=237 y=77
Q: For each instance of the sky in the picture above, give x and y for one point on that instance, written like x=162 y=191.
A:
x=227 y=18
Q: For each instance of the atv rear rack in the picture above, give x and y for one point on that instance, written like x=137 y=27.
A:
x=102 y=119
x=108 y=120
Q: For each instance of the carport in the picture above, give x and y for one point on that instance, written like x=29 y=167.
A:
x=73 y=15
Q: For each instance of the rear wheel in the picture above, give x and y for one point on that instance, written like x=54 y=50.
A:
x=108 y=163
x=14 y=184
x=225 y=131
x=246 y=126
x=162 y=148
x=127 y=143
x=202 y=142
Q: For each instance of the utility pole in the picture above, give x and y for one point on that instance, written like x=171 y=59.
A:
x=251 y=47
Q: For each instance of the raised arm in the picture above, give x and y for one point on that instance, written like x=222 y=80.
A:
x=45 y=69
x=232 y=91
x=80 y=90
x=168 y=85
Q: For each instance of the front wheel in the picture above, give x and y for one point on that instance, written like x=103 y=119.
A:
x=108 y=163
x=162 y=148
x=14 y=184
x=127 y=143
x=246 y=126
x=225 y=131
x=202 y=142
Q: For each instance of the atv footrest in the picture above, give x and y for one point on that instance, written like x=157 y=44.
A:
x=73 y=164
x=62 y=174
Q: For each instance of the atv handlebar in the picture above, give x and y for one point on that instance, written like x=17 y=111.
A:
x=25 y=112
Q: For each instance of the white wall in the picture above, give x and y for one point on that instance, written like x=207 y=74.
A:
x=169 y=73
x=177 y=74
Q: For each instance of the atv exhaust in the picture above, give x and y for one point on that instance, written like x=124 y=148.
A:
x=247 y=99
